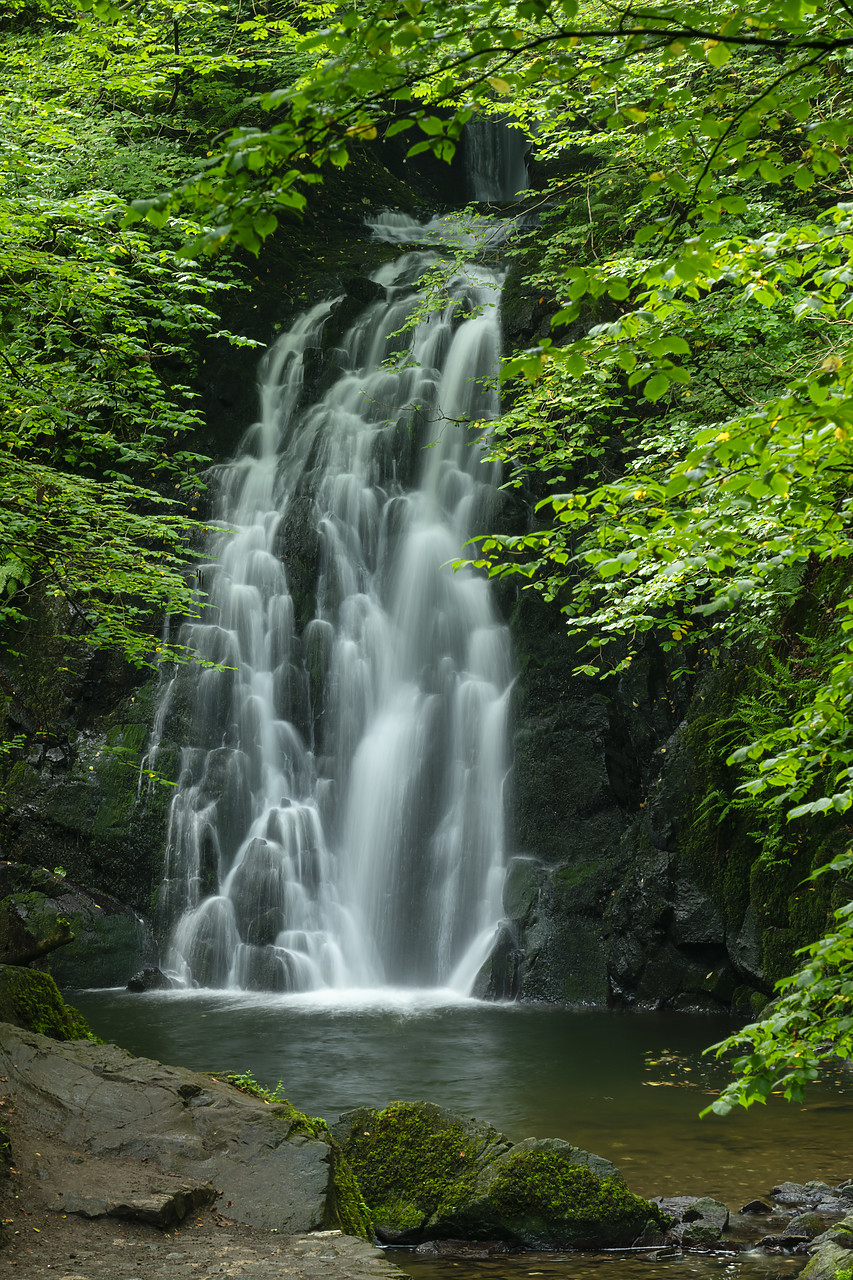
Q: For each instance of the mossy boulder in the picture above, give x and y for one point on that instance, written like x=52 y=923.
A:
x=415 y=1163
x=427 y=1173
x=833 y=1256
x=31 y=1000
x=547 y=1194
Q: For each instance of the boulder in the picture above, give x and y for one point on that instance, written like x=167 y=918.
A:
x=700 y=1235
x=819 y=1196
x=806 y=1224
x=710 y=1211
x=150 y=979
x=787 y=1242
x=127 y=1136
x=426 y=1173
x=833 y=1253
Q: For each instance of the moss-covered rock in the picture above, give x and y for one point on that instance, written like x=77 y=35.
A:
x=833 y=1257
x=31 y=1000
x=88 y=805
x=424 y=1171
x=539 y=1195
x=414 y=1162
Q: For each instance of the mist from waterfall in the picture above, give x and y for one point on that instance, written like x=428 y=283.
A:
x=338 y=821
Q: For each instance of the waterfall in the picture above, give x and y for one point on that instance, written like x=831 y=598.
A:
x=338 y=821
x=495 y=154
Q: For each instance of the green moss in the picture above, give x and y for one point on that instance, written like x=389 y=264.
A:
x=543 y=1193
x=345 y=1206
x=31 y=999
x=410 y=1166
x=577 y=874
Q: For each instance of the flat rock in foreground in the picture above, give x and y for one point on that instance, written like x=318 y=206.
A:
x=134 y=1138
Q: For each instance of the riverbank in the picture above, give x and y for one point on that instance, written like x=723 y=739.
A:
x=73 y=1248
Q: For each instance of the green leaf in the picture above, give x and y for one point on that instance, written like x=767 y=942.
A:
x=657 y=386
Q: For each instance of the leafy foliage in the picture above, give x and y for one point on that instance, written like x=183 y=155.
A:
x=100 y=323
x=810 y=1021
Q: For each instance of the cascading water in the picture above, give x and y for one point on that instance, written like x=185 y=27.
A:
x=495 y=153
x=339 y=817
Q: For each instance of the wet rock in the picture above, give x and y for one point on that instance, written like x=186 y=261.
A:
x=109 y=943
x=798 y=1193
x=833 y=1254
x=695 y=919
x=676 y=1207
x=806 y=1224
x=787 y=1242
x=163 y=1209
x=150 y=979
x=710 y=1210
x=652 y=1238
x=469 y=1250
x=832 y=1205
x=757 y=1207
x=818 y=1196
x=700 y=1234
x=841 y=1233
x=144 y=1129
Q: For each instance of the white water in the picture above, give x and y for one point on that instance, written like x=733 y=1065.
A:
x=339 y=819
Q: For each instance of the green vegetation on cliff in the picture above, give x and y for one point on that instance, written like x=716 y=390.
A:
x=102 y=438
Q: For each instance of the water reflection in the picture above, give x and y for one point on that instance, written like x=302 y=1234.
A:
x=613 y=1266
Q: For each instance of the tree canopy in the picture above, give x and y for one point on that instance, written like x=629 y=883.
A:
x=101 y=323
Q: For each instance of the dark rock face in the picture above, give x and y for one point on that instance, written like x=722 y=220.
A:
x=428 y=1174
x=109 y=940
x=604 y=899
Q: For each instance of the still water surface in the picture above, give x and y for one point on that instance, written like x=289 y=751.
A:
x=628 y=1086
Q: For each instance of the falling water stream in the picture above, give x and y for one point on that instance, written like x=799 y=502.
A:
x=339 y=817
